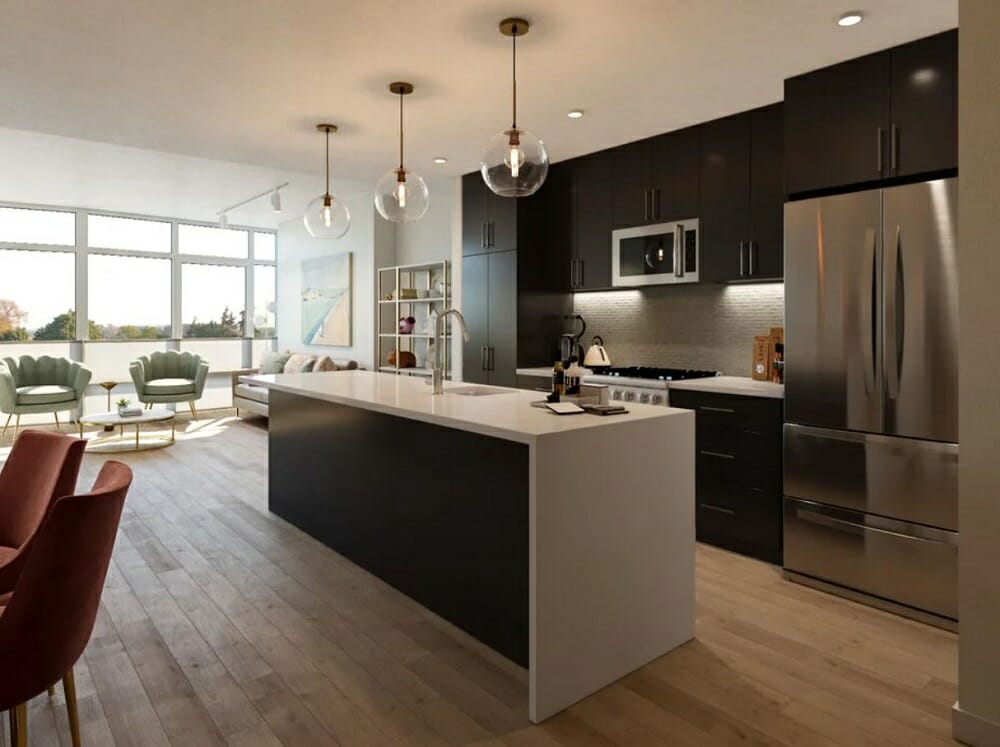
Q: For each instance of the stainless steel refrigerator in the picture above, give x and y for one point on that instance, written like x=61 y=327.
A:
x=871 y=397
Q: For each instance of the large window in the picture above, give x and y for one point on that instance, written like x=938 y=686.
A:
x=129 y=234
x=128 y=297
x=139 y=278
x=264 y=301
x=37 y=295
x=30 y=226
x=210 y=241
x=213 y=301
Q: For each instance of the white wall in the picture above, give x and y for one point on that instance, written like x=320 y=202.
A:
x=429 y=239
x=370 y=240
x=977 y=714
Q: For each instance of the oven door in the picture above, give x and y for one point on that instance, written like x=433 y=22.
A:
x=662 y=254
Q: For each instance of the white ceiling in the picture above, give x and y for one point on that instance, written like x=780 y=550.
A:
x=246 y=81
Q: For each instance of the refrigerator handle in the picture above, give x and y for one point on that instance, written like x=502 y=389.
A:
x=893 y=317
x=868 y=314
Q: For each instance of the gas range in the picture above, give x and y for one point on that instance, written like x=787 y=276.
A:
x=643 y=384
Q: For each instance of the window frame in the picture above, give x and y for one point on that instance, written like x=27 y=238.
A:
x=82 y=251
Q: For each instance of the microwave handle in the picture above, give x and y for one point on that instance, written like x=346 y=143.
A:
x=679 y=250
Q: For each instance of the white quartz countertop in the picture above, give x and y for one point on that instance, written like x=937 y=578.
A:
x=507 y=414
x=741 y=385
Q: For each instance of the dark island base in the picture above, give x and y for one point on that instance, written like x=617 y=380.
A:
x=439 y=514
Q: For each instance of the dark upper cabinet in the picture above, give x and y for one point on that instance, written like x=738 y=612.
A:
x=489 y=222
x=473 y=214
x=888 y=115
x=632 y=178
x=767 y=193
x=724 y=217
x=654 y=179
x=593 y=195
x=489 y=302
x=924 y=106
x=675 y=175
x=836 y=125
x=742 y=197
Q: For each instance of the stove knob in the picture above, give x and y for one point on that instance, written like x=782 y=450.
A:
x=644 y=398
x=656 y=399
x=628 y=396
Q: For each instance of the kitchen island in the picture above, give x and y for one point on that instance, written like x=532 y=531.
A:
x=566 y=543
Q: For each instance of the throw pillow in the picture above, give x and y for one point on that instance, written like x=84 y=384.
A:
x=326 y=363
x=274 y=363
x=300 y=363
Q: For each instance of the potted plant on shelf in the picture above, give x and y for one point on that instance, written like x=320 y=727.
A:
x=122 y=406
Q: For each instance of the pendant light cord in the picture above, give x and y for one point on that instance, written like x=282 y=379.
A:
x=400 y=131
x=514 y=76
x=328 y=162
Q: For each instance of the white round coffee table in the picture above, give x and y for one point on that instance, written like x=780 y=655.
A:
x=121 y=442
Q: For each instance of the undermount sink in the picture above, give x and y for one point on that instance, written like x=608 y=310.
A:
x=473 y=391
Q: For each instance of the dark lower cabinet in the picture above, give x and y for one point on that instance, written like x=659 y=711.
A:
x=489 y=293
x=738 y=471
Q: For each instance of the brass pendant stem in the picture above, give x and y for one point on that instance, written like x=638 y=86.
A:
x=400 y=132
x=513 y=76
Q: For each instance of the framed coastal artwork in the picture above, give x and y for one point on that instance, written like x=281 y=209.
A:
x=326 y=300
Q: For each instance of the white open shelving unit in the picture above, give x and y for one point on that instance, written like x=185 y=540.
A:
x=431 y=281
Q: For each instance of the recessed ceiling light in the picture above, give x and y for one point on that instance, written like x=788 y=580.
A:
x=852 y=18
x=575 y=114
x=440 y=159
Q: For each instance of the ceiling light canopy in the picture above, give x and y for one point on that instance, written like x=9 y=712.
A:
x=575 y=114
x=440 y=159
x=851 y=18
x=326 y=217
x=400 y=195
x=515 y=162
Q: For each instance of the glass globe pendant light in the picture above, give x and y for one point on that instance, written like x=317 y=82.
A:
x=400 y=195
x=326 y=217
x=515 y=162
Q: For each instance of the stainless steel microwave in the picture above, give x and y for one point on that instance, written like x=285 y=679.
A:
x=661 y=254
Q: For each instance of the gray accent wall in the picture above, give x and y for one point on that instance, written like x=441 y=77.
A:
x=684 y=326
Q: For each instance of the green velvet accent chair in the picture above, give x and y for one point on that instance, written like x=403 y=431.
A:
x=169 y=376
x=31 y=385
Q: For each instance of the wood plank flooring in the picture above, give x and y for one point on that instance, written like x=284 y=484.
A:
x=222 y=625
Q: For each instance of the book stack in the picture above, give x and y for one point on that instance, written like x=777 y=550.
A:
x=129 y=412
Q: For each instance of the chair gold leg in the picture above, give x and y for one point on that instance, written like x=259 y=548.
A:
x=52 y=691
x=19 y=729
x=59 y=427
x=194 y=412
x=69 y=688
x=4 y=431
x=17 y=425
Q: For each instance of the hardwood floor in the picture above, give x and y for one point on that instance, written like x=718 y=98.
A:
x=222 y=625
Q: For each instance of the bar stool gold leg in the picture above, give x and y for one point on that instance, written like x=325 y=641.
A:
x=136 y=436
x=4 y=431
x=58 y=427
x=69 y=688
x=20 y=737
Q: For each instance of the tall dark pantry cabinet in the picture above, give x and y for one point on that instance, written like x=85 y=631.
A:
x=513 y=315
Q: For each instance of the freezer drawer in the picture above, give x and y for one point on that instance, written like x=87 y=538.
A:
x=901 y=563
x=899 y=478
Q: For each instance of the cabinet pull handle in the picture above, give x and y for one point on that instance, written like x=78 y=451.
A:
x=894 y=150
x=656 y=204
x=572 y=273
x=490 y=358
x=645 y=204
x=880 y=158
x=579 y=275
x=726 y=410
x=489 y=234
x=752 y=254
x=720 y=509
x=716 y=454
x=743 y=264
x=482 y=235
x=482 y=358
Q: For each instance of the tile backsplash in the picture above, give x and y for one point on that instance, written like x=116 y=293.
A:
x=683 y=326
